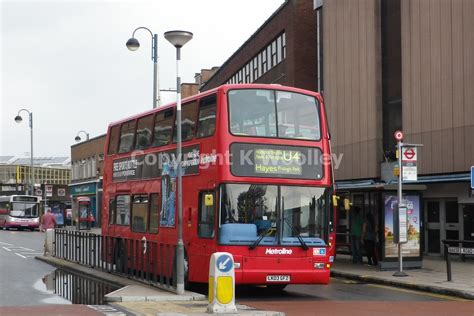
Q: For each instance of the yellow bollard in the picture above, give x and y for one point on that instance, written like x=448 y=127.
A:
x=221 y=284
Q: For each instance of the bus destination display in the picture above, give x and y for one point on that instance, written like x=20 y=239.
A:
x=276 y=161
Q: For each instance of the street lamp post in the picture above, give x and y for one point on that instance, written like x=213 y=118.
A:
x=78 y=138
x=19 y=119
x=133 y=44
x=178 y=39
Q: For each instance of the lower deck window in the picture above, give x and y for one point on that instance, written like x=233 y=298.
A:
x=139 y=213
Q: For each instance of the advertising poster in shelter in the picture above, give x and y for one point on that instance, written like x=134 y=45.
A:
x=412 y=247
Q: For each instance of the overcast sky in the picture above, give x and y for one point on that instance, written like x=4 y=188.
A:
x=66 y=61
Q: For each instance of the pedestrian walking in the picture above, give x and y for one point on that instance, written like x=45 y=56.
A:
x=47 y=223
x=368 y=238
x=48 y=220
x=356 y=233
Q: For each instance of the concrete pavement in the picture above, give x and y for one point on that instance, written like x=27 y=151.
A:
x=431 y=277
x=140 y=299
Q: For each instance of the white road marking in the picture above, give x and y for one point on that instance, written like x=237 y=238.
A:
x=6 y=248
x=19 y=254
x=5 y=243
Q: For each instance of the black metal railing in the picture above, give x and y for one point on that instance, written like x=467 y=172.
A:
x=146 y=261
x=456 y=247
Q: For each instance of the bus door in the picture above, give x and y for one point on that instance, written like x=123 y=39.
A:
x=205 y=245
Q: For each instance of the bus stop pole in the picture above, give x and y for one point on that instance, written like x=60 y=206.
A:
x=400 y=272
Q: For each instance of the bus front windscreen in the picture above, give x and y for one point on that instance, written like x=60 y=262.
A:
x=286 y=211
x=274 y=113
x=27 y=210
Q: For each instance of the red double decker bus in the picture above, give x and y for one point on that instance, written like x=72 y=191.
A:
x=256 y=176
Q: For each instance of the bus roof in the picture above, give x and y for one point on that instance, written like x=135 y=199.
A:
x=224 y=87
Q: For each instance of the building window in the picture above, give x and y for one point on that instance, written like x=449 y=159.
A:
x=247 y=74
x=279 y=49
x=274 y=54
x=269 y=57
x=255 y=68
x=263 y=61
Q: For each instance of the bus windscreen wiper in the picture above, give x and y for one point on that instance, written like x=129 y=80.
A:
x=259 y=239
x=300 y=239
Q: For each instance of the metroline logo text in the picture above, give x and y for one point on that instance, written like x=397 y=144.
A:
x=275 y=251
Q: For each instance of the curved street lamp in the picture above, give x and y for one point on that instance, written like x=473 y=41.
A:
x=178 y=39
x=133 y=44
x=78 y=138
x=19 y=119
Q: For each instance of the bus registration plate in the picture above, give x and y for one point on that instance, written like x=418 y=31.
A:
x=278 y=278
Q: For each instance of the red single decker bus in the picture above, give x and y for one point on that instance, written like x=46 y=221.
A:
x=256 y=176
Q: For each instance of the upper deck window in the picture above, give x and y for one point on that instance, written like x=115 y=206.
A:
x=113 y=139
x=268 y=113
x=144 y=132
x=127 y=133
x=207 y=117
x=188 y=122
x=163 y=128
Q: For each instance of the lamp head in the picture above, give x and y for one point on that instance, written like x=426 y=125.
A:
x=178 y=38
x=78 y=138
x=18 y=119
x=133 y=44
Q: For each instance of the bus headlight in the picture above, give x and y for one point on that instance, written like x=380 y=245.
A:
x=236 y=265
x=36 y=220
x=12 y=219
x=319 y=265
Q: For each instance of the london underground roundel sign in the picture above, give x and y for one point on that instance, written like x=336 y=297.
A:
x=398 y=135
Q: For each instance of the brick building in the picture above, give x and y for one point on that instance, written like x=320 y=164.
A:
x=86 y=185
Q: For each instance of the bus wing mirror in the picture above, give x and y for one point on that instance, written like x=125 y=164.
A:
x=347 y=204
x=208 y=200
x=335 y=200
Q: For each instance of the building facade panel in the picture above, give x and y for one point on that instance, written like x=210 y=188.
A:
x=437 y=76
x=352 y=91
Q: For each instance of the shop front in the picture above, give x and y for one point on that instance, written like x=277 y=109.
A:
x=86 y=201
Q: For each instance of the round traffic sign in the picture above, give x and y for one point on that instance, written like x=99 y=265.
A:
x=224 y=263
x=409 y=153
x=398 y=135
